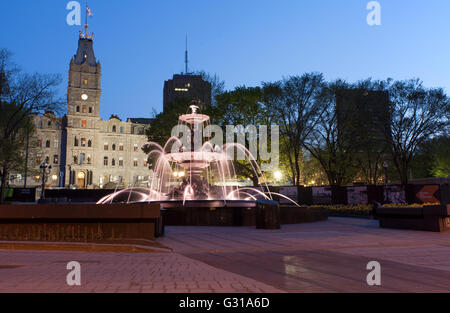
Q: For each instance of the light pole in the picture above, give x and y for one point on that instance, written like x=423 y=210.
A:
x=44 y=166
x=385 y=166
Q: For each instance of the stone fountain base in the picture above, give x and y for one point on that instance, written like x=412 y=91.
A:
x=233 y=213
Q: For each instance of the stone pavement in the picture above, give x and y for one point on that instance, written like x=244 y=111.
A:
x=34 y=271
x=328 y=256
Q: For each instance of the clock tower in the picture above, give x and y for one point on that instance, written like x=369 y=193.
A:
x=83 y=113
x=84 y=90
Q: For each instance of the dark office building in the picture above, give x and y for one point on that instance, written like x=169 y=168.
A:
x=189 y=87
x=363 y=114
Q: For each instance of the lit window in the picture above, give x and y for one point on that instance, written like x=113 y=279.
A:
x=181 y=89
x=85 y=82
x=39 y=143
x=83 y=124
x=83 y=142
x=121 y=147
x=84 y=110
x=55 y=159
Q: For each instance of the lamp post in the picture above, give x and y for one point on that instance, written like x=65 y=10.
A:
x=386 y=181
x=44 y=166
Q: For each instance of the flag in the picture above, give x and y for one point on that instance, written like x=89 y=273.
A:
x=89 y=12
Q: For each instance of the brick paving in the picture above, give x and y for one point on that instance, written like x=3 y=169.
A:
x=328 y=256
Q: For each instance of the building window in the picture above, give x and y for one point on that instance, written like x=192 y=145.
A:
x=39 y=143
x=75 y=159
x=105 y=146
x=56 y=143
x=113 y=162
x=82 y=158
x=114 y=147
x=90 y=109
x=114 y=129
x=49 y=124
x=135 y=163
x=89 y=160
x=135 y=148
x=55 y=159
x=47 y=144
x=105 y=161
x=121 y=129
x=40 y=125
x=83 y=124
x=39 y=158
x=145 y=162
x=75 y=142
x=89 y=143
x=84 y=110
x=120 y=162
x=121 y=147
x=78 y=109
x=85 y=82
x=83 y=142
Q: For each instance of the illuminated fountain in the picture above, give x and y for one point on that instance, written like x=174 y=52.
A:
x=196 y=173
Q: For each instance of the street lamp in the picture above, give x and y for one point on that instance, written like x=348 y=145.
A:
x=45 y=167
x=385 y=166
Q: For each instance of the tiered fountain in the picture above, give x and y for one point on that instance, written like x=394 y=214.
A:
x=195 y=175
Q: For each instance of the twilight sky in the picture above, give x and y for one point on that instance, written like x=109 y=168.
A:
x=140 y=43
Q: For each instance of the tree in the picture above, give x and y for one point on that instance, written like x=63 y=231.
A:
x=242 y=106
x=21 y=96
x=217 y=86
x=331 y=141
x=293 y=103
x=417 y=114
x=160 y=128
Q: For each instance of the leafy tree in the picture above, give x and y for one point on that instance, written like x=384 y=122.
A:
x=331 y=142
x=21 y=96
x=417 y=114
x=294 y=104
x=242 y=106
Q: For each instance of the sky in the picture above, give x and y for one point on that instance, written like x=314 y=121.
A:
x=141 y=43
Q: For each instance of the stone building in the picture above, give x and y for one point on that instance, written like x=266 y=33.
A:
x=84 y=150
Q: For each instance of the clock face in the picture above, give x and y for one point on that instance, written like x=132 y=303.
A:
x=84 y=97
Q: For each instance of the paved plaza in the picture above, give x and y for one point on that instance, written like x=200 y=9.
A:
x=328 y=256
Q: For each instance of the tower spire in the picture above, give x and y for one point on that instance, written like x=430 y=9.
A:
x=86 y=25
x=186 y=58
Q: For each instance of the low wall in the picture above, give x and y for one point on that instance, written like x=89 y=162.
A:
x=430 y=218
x=80 y=222
x=238 y=216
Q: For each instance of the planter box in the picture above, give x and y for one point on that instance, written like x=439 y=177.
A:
x=80 y=222
x=429 y=218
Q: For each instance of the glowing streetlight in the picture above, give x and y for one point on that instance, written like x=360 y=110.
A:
x=278 y=175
